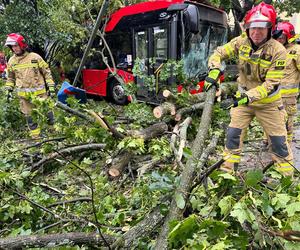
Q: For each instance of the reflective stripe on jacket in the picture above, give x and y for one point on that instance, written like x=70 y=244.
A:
x=28 y=72
x=260 y=71
x=290 y=82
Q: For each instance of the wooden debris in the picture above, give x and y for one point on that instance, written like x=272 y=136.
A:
x=164 y=109
x=119 y=164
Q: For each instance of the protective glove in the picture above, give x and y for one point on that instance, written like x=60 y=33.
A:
x=8 y=93
x=231 y=103
x=52 y=91
x=212 y=79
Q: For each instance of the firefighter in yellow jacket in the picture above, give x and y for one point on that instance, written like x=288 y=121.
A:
x=261 y=62
x=28 y=74
x=291 y=79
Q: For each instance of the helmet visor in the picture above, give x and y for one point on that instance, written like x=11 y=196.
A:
x=10 y=42
x=258 y=24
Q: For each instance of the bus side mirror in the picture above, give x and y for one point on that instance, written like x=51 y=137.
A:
x=192 y=18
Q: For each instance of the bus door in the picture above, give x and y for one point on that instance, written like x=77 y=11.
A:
x=151 y=50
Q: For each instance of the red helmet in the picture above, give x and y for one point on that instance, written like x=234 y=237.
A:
x=16 y=39
x=261 y=16
x=287 y=28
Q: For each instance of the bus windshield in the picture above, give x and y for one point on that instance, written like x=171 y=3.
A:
x=198 y=47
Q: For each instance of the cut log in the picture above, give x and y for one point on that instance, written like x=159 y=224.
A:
x=187 y=176
x=169 y=96
x=120 y=163
x=52 y=240
x=164 y=109
x=188 y=110
x=151 y=132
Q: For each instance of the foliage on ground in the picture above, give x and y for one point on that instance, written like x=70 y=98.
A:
x=229 y=212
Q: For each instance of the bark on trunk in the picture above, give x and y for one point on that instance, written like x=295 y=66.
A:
x=143 y=228
x=150 y=132
x=184 y=111
x=52 y=240
x=120 y=163
x=187 y=175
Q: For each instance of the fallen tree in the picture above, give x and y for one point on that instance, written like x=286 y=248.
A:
x=187 y=176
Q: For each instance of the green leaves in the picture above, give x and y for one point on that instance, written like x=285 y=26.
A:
x=280 y=201
x=136 y=144
x=292 y=208
x=183 y=231
x=241 y=212
x=226 y=204
x=180 y=202
x=253 y=177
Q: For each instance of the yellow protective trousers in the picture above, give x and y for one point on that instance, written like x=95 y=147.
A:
x=272 y=119
x=26 y=108
x=290 y=105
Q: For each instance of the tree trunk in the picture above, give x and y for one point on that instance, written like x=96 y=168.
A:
x=143 y=228
x=150 y=132
x=187 y=176
x=51 y=240
x=120 y=163
x=184 y=111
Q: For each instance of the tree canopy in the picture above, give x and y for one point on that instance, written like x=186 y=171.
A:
x=60 y=29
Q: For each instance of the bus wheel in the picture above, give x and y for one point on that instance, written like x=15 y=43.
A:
x=117 y=93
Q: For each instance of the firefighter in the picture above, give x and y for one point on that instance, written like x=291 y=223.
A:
x=261 y=62
x=28 y=73
x=291 y=79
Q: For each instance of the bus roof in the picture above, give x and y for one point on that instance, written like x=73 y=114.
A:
x=148 y=6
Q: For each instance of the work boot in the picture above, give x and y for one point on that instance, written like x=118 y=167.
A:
x=35 y=133
x=34 y=130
